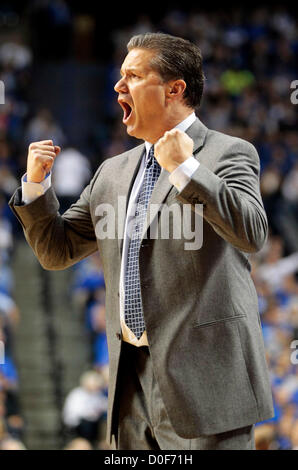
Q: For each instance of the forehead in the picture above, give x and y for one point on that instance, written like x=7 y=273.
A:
x=138 y=59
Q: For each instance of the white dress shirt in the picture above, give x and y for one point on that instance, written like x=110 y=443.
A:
x=180 y=177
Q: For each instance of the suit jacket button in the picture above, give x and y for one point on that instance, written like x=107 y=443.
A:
x=118 y=335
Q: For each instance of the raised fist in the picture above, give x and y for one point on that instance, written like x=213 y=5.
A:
x=41 y=156
x=173 y=149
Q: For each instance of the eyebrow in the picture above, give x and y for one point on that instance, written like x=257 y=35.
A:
x=129 y=69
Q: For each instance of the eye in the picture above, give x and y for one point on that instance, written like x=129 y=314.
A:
x=134 y=75
x=129 y=75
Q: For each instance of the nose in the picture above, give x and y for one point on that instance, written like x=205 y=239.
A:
x=121 y=86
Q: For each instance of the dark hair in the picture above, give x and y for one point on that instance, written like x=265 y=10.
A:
x=176 y=58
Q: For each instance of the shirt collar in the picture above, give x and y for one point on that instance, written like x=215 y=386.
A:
x=183 y=126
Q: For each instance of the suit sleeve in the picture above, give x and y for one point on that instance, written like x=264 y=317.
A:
x=58 y=241
x=231 y=198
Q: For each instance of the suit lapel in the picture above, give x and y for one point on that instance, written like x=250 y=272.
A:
x=197 y=131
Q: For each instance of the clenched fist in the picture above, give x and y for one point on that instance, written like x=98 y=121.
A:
x=41 y=156
x=173 y=149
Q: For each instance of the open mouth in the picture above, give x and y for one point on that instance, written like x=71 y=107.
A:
x=127 y=110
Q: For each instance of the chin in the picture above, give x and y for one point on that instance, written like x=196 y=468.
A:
x=130 y=131
x=133 y=132
x=136 y=131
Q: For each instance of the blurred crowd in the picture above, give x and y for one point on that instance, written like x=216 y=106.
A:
x=275 y=278
x=250 y=60
x=15 y=58
x=85 y=408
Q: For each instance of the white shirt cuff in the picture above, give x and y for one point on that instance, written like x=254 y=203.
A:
x=181 y=176
x=31 y=191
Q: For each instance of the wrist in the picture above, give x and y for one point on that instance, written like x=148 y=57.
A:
x=172 y=167
x=29 y=178
x=175 y=164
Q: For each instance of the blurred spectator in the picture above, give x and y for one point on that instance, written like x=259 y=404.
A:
x=15 y=54
x=9 y=318
x=10 y=443
x=85 y=406
x=78 y=444
x=264 y=436
x=71 y=173
x=275 y=268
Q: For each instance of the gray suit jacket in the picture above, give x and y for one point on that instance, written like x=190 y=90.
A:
x=200 y=307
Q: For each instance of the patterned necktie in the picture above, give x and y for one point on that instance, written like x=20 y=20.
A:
x=133 y=309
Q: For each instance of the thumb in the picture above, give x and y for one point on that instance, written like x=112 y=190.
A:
x=57 y=150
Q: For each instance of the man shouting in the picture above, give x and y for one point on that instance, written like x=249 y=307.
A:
x=186 y=355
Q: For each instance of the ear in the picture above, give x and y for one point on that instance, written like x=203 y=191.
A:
x=175 y=89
